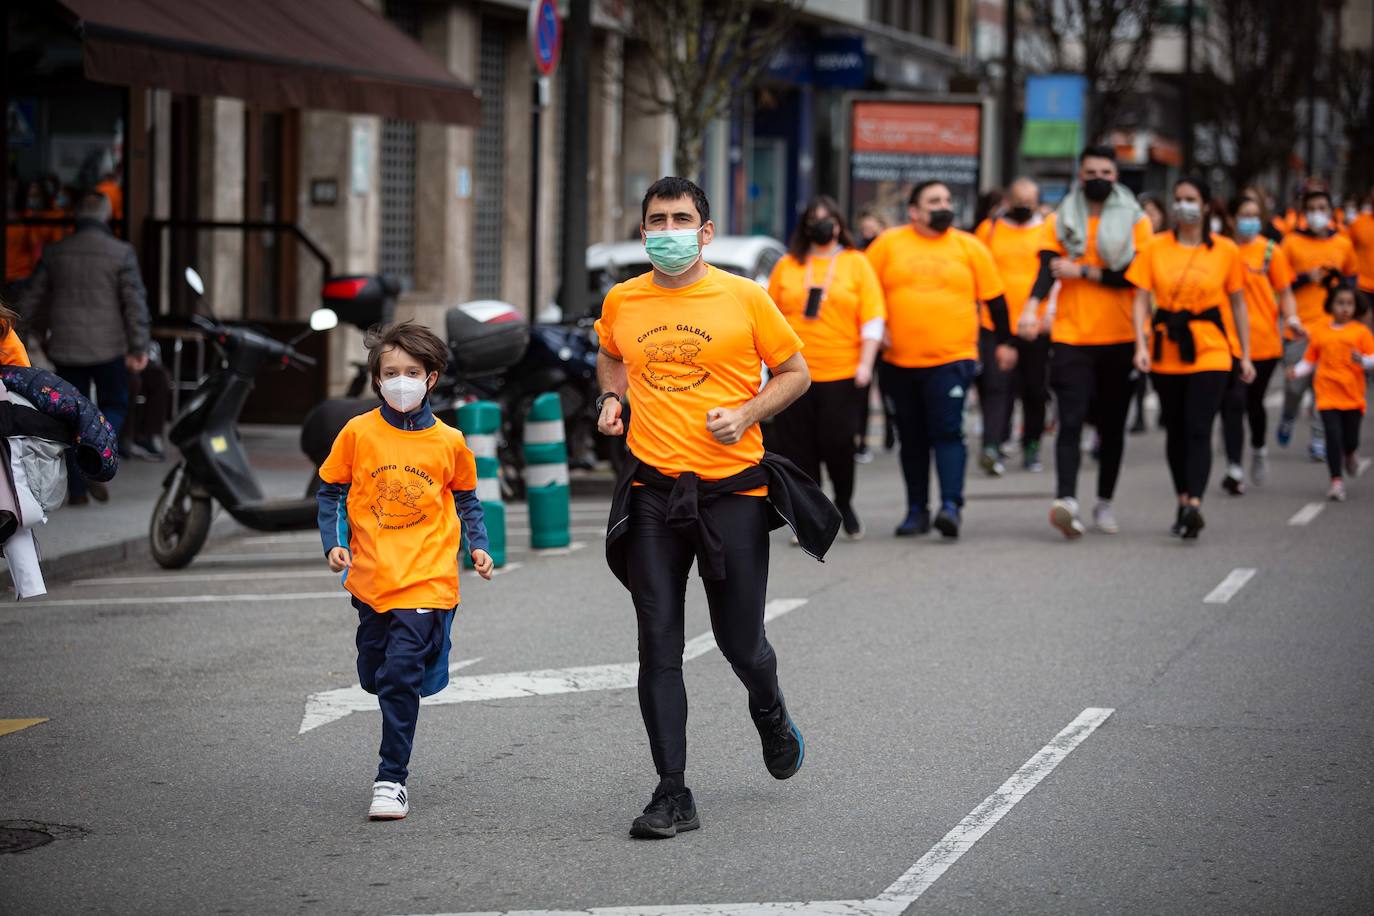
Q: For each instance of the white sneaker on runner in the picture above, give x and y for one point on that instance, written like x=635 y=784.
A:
x=1064 y=516
x=389 y=801
x=1337 y=492
x=1104 y=520
x=1259 y=467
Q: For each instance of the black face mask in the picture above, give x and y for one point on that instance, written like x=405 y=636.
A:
x=821 y=231
x=1019 y=214
x=940 y=220
x=1097 y=189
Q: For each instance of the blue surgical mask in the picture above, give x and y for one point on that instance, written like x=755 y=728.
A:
x=672 y=251
x=1247 y=227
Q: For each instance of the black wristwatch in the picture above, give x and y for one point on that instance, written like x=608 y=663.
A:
x=603 y=398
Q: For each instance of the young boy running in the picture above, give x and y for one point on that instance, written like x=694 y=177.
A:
x=392 y=483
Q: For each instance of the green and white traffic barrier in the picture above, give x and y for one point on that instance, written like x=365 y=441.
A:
x=480 y=422
x=547 y=493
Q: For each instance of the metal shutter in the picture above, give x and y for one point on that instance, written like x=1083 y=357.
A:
x=490 y=162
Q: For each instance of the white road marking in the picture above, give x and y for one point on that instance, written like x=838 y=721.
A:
x=1308 y=512
x=1235 y=580
x=1363 y=466
x=177 y=578
x=918 y=879
x=327 y=706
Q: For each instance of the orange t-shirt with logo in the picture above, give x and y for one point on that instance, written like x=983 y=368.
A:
x=12 y=351
x=1306 y=253
x=1088 y=314
x=1339 y=381
x=1016 y=252
x=933 y=287
x=1194 y=279
x=687 y=351
x=1361 y=234
x=404 y=532
x=1261 y=287
x=853 y=298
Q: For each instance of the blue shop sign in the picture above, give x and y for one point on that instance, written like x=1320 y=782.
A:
x=839 y=62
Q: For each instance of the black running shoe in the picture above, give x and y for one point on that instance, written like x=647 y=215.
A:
x=1192 y=522
x=783 y=747
x=917 y=521
x=853 y=528
x=668 y=814
x=1176 y=529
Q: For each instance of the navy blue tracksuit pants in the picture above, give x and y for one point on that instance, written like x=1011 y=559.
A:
x=929 y=407
x=393 y=649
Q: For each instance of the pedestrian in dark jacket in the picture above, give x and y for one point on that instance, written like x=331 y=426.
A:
x=87 y=307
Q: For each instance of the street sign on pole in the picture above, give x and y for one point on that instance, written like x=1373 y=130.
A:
x=545 y=35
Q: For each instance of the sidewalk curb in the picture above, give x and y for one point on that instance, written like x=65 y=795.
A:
x=79 y=563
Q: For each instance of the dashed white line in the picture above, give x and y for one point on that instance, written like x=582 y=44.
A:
x=1235 y=580
x=907 y=889
x=1308 y=512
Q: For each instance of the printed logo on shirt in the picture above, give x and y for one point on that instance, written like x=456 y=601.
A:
x=670 y=360
x=399 y=495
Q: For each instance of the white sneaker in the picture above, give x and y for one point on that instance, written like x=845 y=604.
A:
x=389 y=801
x=1337 y=492
x=1064 y=516
x=1104 y=520
x=1259 y=467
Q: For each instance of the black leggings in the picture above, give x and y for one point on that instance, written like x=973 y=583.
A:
x=1098 y=377
x=818 y=428
x=1189 y=405
x=1033 y=384
x=659 y=561
x=1342 y=437
x=995 y=392
x=1243 y=401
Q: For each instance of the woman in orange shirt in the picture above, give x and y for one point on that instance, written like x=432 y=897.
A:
x=1268 y=291
x=1183 y=344
x=1340 y=353
x=831 y=297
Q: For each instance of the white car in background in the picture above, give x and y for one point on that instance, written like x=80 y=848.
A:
x=753 y=256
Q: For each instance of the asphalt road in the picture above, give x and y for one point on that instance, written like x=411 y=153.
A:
x=1232 y=774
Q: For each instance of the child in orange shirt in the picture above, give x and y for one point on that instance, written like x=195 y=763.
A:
x=1339 y=354
x=392 y=483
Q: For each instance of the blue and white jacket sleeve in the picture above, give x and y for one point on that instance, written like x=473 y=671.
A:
x=474 y=525
x=333 y=517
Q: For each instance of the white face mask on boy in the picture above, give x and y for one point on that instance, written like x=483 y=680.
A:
x=404 y=393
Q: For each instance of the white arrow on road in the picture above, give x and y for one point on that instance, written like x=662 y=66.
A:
x=323 y=708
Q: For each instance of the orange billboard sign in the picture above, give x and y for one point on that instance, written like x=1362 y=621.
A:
x=904 y=127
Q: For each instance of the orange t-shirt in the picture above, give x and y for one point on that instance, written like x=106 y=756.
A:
x=688 y=351
x=853 y=298
x=1016 y=252
x=1193 y=279
x=12 y=352
x=1305 y=254
x=115 y=194
x=1361 y=233
x=404 y=533
x=933 y=287
x=1339 y=381
x=1261 y=302
x=21 y=252
x=1089 y=314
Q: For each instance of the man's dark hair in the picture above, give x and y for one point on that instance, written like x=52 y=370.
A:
x=1314 y=193
x=415 y=339
x=1098 y=151
x=916 y=192
x=671 y=188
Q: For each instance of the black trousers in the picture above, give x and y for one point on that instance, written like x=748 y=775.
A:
x=818 y=428
x=1096 y=377
x=659 y=562
x=1189 y=406
x=1342 y=437
x=1244 y=401
x=1033 y=385
x=996 y=392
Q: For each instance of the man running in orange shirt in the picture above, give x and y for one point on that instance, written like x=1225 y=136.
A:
x=1093 y=238
x=933 y=278
x=1316 y=251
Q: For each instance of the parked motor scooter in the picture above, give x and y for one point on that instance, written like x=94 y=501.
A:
x=213 y=466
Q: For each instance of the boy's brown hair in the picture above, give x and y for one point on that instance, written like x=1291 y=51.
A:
x=415 y=339
x=9 y=320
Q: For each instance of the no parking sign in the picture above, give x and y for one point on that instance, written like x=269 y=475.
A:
x=545 y=35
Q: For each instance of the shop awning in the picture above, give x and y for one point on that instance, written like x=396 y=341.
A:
x=327 y=54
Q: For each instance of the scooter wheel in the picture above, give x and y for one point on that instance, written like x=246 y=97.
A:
x=181 y=523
